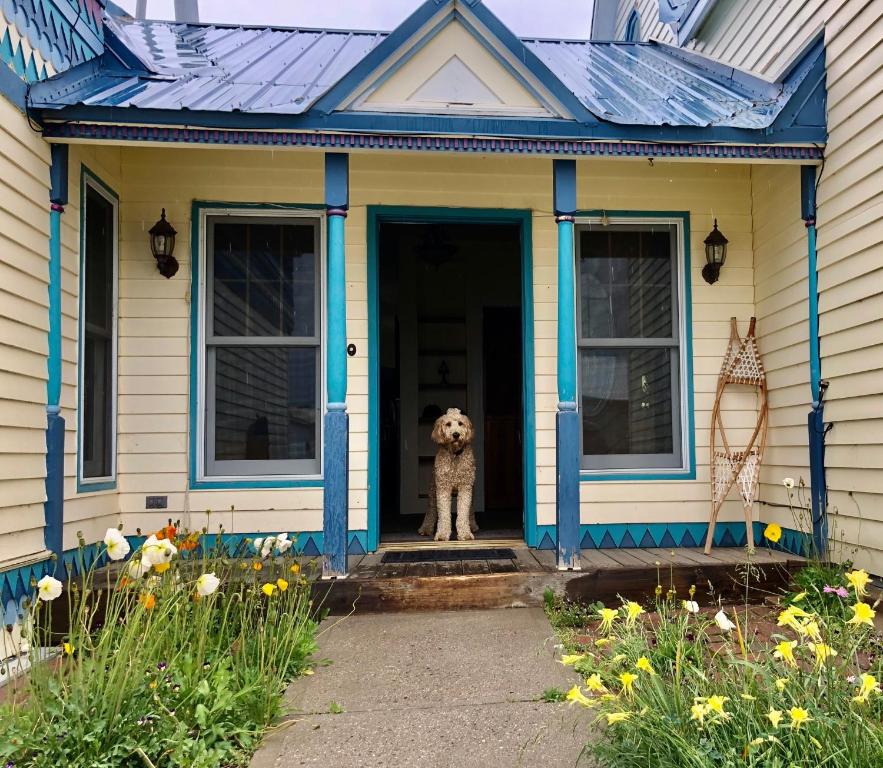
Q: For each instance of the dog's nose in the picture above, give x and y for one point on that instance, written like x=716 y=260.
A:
x=456 y=435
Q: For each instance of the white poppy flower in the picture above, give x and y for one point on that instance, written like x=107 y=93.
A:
x=48 y=588
x=282 y=543
x=788 y=482
x=158 y=551
x=207 y=584
x=691 y=606
x=723 y=621
x=267 y=548
x=117 y=546
x=139 y=566
x=257 y=544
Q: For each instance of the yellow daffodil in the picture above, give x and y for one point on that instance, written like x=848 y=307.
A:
x=799 y=597
x=810 y=629
x=269 y=589
x=692 y=591
x=627 y=679
x=617 y=659
x=868 y=686
x=773 y=532
x=282 y=584
x=789 y=618
x=617 y=717
x=602 y=641
x=775 y=717
x=632 y=610
x=858 y=580
x=68 y=649
x=781 y=682
x=747 y=697
x=698 y=712
x=823 y=652
x=295 y=568
x=716 y=705
x=575 y=695
x=645 y=666
x=862 y=613
x=608 y=616
x=161 y=567
x=594 y=683
x=799 y=716
x=569 y=659
x=785 y=652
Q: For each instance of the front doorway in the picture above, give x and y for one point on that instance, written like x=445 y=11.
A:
x=450 y=330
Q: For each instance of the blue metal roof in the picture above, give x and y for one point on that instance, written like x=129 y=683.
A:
x=156 y=69
x=653 y=84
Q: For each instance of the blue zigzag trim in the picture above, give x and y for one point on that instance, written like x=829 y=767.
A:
x=674 y=535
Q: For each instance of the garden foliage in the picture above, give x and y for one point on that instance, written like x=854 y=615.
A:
x=178 y=660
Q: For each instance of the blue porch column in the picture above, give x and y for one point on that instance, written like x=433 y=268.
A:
x=567 y=420
x=816 y=417
x=54 y=505
x=336 y=464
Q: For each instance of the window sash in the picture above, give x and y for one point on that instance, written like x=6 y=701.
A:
x=676 y=459
x=213 y=468
x=97 y=438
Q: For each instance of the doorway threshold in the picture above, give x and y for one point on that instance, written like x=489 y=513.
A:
x=407 y=546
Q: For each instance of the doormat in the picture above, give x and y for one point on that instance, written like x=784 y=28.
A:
x=447 y=555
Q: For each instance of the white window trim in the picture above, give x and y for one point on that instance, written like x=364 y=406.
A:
x=90 y=181
x=199 y=443
x=683 y=351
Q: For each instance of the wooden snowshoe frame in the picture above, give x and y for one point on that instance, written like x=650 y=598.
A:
x=733 y=466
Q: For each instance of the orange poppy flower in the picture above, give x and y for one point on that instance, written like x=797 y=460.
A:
x=257 y=566
x=148 y=601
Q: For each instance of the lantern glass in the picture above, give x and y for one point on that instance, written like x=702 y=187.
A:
x=716 y=247
x=162 y=238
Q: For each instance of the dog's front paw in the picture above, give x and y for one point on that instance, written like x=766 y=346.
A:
x=473 y=527
x=465 y=536
x=442 y=536
x=422 y=531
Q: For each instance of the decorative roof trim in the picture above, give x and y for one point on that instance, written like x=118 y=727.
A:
x=455 y=144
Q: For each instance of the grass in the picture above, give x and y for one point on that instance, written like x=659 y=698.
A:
x=160 y=669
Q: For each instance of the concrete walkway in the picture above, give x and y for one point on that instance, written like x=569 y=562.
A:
x=432 y=689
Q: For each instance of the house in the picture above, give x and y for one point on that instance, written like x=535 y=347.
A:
x=370 y=227
x=746 y=34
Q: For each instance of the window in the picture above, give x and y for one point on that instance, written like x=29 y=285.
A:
x=262 y=346
x=631 y=361
x=98 y=334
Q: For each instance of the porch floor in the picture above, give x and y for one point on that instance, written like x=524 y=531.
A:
x=606 y=575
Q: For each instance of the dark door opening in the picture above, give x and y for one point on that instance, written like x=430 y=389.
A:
x=450 y=337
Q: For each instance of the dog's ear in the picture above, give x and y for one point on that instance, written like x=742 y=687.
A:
x=470 y=430
x=438 y=434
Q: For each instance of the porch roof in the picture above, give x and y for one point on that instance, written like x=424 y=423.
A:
x=283 y=78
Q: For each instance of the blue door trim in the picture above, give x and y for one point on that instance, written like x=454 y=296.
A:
x=411 y=214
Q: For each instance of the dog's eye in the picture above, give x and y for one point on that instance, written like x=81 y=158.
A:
x=448 y=424
x=459 y=423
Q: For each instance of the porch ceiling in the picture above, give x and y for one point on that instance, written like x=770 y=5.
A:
x=276 y=78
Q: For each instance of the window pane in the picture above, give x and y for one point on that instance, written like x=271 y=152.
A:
x=266 y=403
x=97 y=349
x=264 y=279
x=627 y=400
x=626 y=283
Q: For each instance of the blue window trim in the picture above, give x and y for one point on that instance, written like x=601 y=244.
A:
x=523 y=218
x=633 y=27
x=197 y=209
x=656 y=475
x=83 y=484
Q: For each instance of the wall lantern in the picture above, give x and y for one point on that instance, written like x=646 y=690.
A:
x=715 y=255
x=162 y=244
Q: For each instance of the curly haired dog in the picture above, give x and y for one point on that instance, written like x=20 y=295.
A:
x=454 y=470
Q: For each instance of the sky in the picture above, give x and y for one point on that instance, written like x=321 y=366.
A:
x=540 y=18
